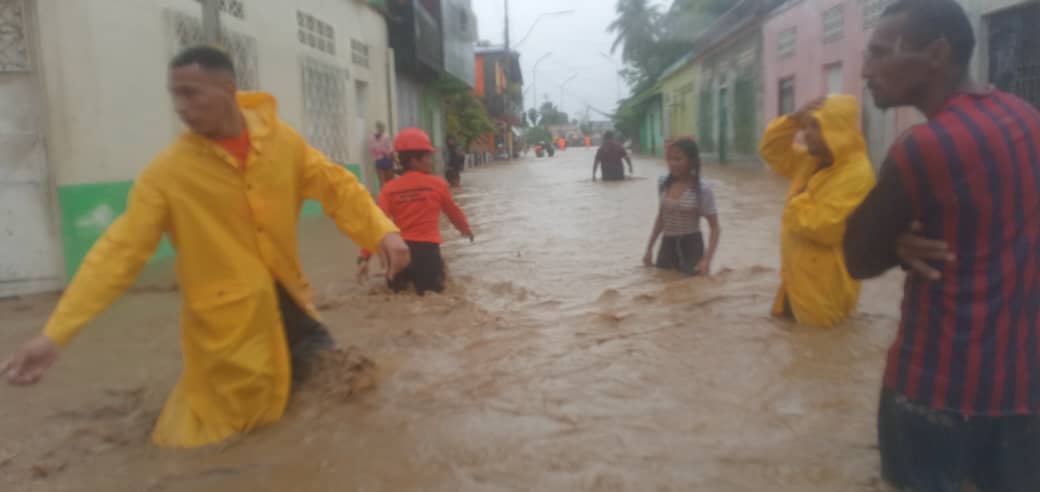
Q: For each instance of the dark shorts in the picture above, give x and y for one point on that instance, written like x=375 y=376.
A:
x=425 y=272
x=306 y=336
x=681 y=253
x=929 y=450
x=613 y=172
x=452 y=173
x=385 y=164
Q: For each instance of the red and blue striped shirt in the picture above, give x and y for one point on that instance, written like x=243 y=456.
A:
x=969 y=342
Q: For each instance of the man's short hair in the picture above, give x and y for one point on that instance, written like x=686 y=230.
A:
x=210 y=58
x=608 y=136
x=929 y=20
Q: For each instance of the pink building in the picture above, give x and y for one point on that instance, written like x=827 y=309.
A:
x=814 y=48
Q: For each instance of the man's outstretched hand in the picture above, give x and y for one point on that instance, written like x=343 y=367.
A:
x=28 y=364
x=394 y=254
x=916 y=251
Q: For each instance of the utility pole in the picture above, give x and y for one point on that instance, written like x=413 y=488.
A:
x=534 y=78
x=563 y=87
x=507 y=27
x=211 y=21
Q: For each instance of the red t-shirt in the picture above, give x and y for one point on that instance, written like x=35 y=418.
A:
x=238 y=147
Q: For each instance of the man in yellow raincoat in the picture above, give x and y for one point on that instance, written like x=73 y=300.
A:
x=227 y=193
x=830 y=176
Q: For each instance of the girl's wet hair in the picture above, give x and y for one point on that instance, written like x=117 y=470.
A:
x=692 y=151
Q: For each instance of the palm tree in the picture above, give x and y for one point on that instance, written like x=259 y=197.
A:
x=635 y=29
x=687 y=18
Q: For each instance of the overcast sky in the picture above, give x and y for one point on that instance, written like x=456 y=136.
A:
x=576 y=42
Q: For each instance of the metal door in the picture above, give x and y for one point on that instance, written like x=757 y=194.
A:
x=1014 y=61
x=29 y=253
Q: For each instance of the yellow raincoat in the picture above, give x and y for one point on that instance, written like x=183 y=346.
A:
x=814 y=279
x=235 y=236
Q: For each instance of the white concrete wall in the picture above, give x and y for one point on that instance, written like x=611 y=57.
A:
x=104 y=66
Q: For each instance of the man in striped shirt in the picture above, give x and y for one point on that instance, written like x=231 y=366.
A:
x=957 y=204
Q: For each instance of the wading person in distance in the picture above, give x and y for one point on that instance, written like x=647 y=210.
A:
x=455 y=162
x=415 y=202
x=228 y=194
x=830 y=176
x=382 y=152
x=611 y=156
x=958 y=204
x=685 y=200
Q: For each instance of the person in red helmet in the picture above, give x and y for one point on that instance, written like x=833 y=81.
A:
x=414 y=202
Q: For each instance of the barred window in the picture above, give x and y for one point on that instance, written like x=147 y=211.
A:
x=234 y=8
x=359 y=53
x=187 y=32
x=834 y=24
x=14 y=49
x=312 y=32
x=324 y=108
x=872 y=10
x=787 y=42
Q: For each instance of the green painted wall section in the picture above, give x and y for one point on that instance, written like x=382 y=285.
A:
x=86 y=212
x=679 y=92
x=88 y=209
x=651 y=133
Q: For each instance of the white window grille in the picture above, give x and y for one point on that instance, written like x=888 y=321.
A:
x=187 y=32
x=234 y=8
x=312 y=32
x=872 y=10
x=359 y=53
x=835 y=75
x=834 y=24
x=787 y=42
x=786 y=96
x=324 y=108
x=14 y=46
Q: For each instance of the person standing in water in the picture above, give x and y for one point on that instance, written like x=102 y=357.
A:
x=455 y=162
x=227 y=193
x=685 y=199
x=830 y=176
x=610 y=156
x=415 y=201
x=382 y=152
x=957 y=204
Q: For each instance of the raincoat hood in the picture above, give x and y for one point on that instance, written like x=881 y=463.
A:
x=815 y=285
x=260 y=110
x=839 y=121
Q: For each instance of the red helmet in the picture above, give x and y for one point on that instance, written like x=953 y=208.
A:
x=413 y=140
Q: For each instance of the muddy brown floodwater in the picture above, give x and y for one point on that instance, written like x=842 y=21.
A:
x=555 y=361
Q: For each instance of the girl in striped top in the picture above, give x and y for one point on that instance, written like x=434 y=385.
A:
x=685 y=199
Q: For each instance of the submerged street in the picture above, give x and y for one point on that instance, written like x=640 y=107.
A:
x=555 y=361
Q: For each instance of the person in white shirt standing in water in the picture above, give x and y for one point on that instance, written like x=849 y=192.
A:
x=685 y=199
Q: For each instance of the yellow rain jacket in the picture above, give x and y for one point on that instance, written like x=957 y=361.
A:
x=235 y=235
x=814 y=279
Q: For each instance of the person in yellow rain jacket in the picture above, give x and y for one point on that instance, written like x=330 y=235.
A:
x=227 y=193
x=830 y=176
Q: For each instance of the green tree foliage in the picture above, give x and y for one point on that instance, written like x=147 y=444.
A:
x=551 y=115
x=533 y=117
x=651 y=41
x=686 y=19
x=538 y=134
x=465 y=117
